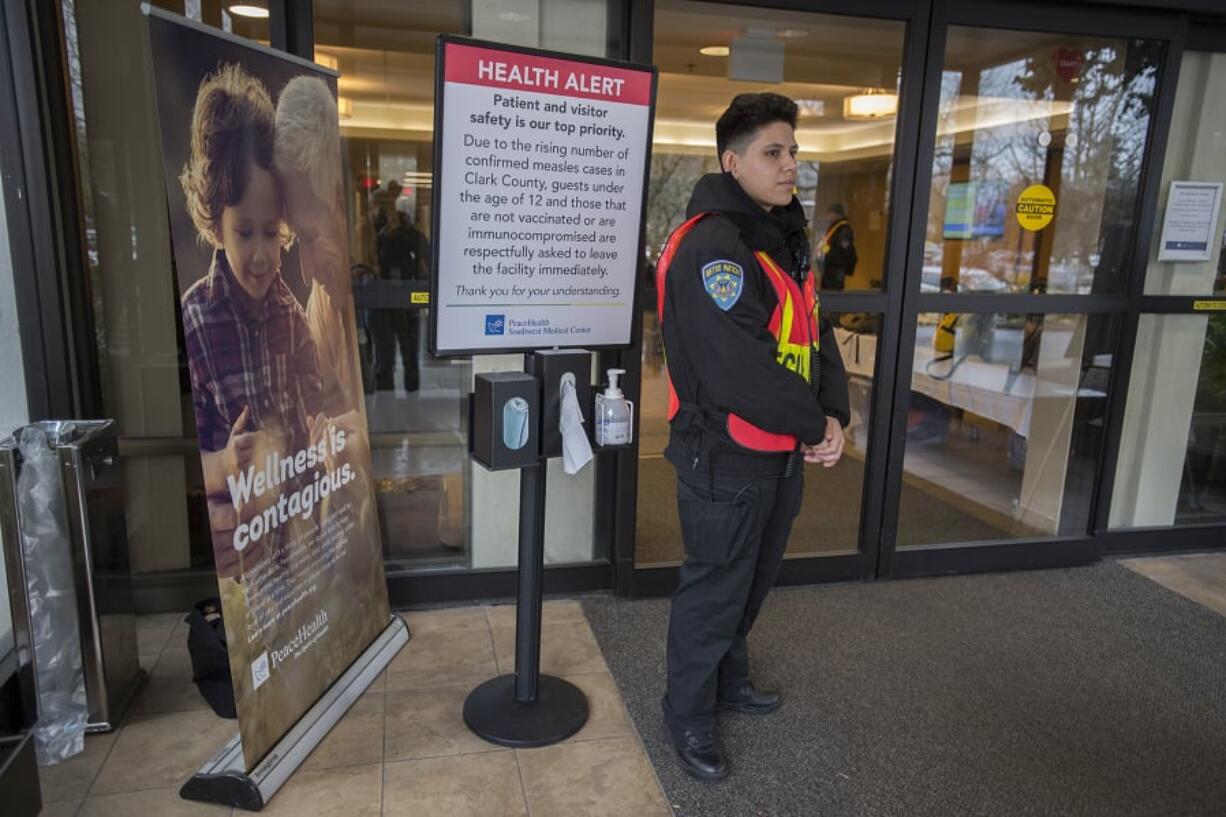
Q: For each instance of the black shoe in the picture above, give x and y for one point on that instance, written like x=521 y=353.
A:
x=748 y=699
x=699 y=756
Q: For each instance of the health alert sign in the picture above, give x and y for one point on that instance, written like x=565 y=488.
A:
x=541 y=167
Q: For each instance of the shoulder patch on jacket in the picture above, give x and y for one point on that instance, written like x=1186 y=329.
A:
x=723 y=280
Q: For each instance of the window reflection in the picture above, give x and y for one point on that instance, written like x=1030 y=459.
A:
x=143 y=380
x=1068 y=113
x=829 y=521
x=435 y=508
x=1005 y=424
x=414 y=403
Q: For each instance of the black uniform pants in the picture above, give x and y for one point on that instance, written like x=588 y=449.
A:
x=735 y=528
x=391 y=327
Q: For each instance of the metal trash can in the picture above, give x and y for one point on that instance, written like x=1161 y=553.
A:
x=88 y=453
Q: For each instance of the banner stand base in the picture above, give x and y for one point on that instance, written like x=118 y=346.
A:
x=492 y=712
x=223 y=779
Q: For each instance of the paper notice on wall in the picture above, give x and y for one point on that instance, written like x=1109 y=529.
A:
x=1191 y=218
x=538 y=198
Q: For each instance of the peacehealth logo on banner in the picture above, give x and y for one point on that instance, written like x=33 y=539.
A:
x=252 y=154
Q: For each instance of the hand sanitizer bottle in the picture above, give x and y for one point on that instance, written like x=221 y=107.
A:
x=614 y=413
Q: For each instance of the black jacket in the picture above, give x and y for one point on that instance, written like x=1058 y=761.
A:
x=724 y=360
x=840 y=262
x=404 y=253
x=842 y=250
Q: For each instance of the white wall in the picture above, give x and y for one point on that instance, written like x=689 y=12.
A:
x=1161 y=397
x=1166 y=366
x=1196 y=151
x=13 y=409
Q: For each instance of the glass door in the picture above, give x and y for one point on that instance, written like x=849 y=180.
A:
x=1034 y=165
x=850 y=78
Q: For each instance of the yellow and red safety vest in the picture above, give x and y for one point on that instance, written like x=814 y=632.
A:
x=824 y=246
x=797 y=336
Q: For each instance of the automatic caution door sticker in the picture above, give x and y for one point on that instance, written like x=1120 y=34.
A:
x=1035 y=207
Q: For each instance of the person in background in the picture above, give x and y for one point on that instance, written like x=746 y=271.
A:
x=404 y=255
x=836 y=252
x=383 y=202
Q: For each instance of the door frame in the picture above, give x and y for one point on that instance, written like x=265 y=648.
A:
x=1200 y=35
x=862 y=563
x=901 y=301
x=1047 y=552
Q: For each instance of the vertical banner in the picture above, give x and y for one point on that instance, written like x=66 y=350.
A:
x=251 y=147
x=542 y=161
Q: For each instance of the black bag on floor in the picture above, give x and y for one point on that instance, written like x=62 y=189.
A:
x=206 y=644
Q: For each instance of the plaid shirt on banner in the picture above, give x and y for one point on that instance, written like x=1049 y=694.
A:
x=237 y=358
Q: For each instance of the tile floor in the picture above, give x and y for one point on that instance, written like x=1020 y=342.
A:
x=1198 y=576
x=402 y=749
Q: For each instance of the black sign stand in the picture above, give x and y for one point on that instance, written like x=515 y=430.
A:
x=526 y=708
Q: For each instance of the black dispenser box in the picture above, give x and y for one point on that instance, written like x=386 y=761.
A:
x=505 y=429
x=551 y=366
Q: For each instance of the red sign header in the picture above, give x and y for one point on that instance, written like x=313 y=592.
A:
x=514 y=71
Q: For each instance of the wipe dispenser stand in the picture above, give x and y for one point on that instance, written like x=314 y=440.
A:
x=528 y=709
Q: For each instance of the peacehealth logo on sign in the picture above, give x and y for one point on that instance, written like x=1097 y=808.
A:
x=538 y=198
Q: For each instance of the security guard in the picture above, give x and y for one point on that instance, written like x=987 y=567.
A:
x=756 y=386
x=836 y=252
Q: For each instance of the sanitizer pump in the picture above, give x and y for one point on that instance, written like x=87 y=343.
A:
x=614 y=414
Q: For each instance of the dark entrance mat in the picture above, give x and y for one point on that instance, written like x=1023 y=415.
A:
x=1090 y=691
x=829 y=516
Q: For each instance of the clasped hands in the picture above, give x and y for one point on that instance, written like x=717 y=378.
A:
x=830 y=449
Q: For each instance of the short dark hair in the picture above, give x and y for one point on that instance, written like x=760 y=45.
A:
x=746 y=115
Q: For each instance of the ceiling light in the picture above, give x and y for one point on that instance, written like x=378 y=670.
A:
x=327 y=61
x=254 y=10
x=344 y=107
x=791 y=33
x=514 y=17
x=714 y=51
x=870 y=104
